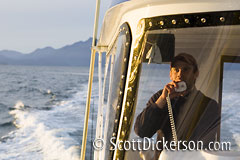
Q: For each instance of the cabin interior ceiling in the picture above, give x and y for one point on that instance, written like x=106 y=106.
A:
x=207 y=45
x=193 y=41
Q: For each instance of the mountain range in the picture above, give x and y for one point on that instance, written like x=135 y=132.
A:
x=77 y=54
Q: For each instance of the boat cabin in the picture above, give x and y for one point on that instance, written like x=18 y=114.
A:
x=139 y=40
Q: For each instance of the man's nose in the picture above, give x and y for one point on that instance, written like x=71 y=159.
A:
x=179 y=74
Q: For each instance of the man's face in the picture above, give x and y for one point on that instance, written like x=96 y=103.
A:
x=183 y=72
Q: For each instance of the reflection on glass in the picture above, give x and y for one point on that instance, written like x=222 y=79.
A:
x=153 y=78
x=230 y=125
x=207 y=45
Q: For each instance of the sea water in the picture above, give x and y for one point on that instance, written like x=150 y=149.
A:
x=42 y=112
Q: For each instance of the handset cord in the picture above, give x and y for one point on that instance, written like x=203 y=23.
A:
x=174 y=133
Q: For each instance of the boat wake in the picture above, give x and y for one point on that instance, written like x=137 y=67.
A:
x=45 y=134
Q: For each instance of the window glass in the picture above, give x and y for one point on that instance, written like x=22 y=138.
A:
x=206 y=45
x=116 y=88
x=230 y=130
x=157 y=73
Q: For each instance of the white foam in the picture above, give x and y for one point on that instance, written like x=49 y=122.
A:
x=19 y=105
x=45 y=134
x=236 y=137
x=49 y=91
x=22 y=118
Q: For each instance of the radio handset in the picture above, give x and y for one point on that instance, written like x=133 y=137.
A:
x=182 y=86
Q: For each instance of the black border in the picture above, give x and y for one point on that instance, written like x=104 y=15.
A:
x=203 y=19
x=124 y=30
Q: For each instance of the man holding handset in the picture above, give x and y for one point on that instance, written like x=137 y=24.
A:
x=196 y=116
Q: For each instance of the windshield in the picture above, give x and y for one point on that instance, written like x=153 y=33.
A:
x=207 y=45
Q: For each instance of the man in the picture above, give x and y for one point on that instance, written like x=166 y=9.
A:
x=196 y=116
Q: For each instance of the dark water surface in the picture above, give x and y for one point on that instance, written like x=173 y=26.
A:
x=42 y=111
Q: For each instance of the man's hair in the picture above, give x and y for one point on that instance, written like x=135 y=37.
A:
x=187 y=58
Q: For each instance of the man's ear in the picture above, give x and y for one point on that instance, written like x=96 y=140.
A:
x=196 y=74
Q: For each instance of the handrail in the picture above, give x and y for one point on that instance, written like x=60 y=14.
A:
x=91 y=71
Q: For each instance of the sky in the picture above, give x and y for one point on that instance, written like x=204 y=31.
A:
x=26 y=25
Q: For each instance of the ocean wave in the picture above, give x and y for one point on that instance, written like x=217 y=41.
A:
x=33 y=90
x=54 y=133
x=25 y=88
x=3 y=107
x=33 y=131
x=48 y=133
x=19 y=106
x=6 y=124
x=5 y=138
x=236 y=137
